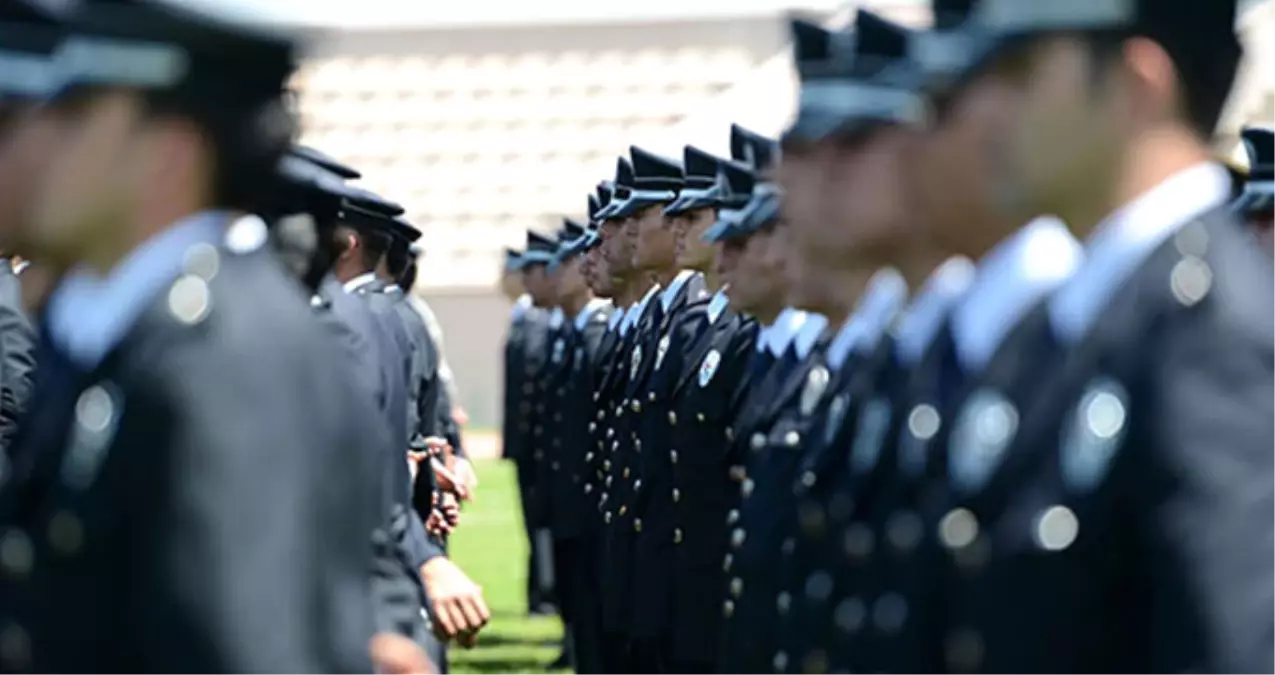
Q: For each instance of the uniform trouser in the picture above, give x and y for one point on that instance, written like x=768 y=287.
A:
x=648 y=656
x=615 y=655
x=578 y=596
x=691 y=667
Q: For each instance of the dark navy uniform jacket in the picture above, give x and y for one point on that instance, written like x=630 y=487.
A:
x=701 y=490
x=1122 y=520
x=752 y=599
x=178 y=491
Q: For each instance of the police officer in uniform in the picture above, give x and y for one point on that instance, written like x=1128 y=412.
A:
x=1121 y=520
x=752 y=602
x=572 y=514
x=619 y=247
x=713 y=348
x=655 y=366
x=843 y=233
x=537 y=343
x=165 y=527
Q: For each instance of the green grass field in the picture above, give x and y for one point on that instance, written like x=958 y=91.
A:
x=492 y=548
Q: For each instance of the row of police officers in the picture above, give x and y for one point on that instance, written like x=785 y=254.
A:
x=237 y=453
x=970 y=371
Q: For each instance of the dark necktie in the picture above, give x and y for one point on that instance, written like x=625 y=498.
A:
x=949 y=376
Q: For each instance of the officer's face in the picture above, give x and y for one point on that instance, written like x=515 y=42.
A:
x=727 y=259
x=569 y=278
x=617 y=248
x=656 y=245
x=802 y=175
x=692 y=252
x=110 y=164
x=27 y=140
x=763 y=266
x=598 y=272
x=952 y=168
x=1061 y=146
x=511 y=284
x=536 y=279
x=748 y=287
x=865 y=204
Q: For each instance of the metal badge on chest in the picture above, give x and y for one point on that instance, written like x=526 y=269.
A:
x=923 y=424
x=983 y=431
x=708 y=367
x=874 y=422
x=97 y=413
x=636 y=362
x=1093 y=434
x=836 y=413
x=816 y=385
x=660 y=351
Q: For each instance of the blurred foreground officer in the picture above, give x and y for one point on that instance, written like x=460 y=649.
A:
x=29 y=36
x=572 y=514
x=714 y=347
x=1123 y=520
x=538 y=327
x=185 y=426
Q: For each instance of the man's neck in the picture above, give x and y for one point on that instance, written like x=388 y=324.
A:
x=1150 y=159
x=709 y=271
x=576 y=302
x=114 y=248
x=639 y=289
x=845 y=287
x=917 y=266
x=665 y=276
x=348 y=272
x=767 y=315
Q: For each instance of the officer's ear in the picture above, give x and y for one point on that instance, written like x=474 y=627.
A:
x=347 y=242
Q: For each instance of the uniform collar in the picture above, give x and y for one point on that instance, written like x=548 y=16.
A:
x=783 y=330
x=921 y=320
x=805 y=336
x=593 y=305
x=359 y=282
x=556 y=317
x=89 y=314
x=1127 y=237
x=521 y=305
x=886 y=294
x=1013 y=276
x=674 y=287
x=717 y=305
x=634 y=313
x=616 y=318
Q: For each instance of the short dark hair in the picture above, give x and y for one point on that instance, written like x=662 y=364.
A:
x=248 y=139
x=397 y=258
x=408 y=280
x=373 y=245
x=1206 y=72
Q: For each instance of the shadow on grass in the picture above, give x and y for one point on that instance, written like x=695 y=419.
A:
x=503 y=666
x=498 y=639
